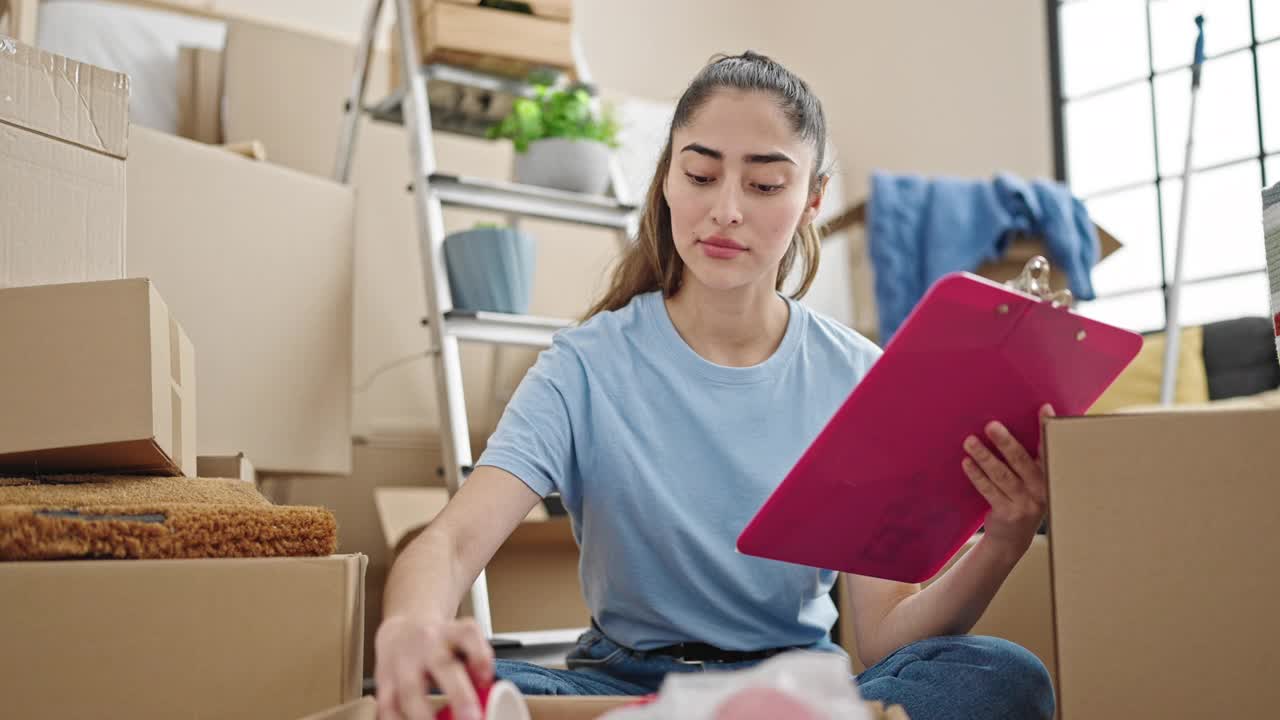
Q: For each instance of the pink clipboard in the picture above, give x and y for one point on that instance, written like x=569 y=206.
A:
x=880 y=491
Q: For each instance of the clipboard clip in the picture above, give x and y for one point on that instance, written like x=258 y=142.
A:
x=1034 y=280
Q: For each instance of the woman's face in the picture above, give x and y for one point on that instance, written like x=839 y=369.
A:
x=738 y=189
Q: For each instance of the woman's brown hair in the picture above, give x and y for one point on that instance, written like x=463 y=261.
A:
x=651 y=261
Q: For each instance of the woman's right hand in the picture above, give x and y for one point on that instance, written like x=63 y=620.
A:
x=414 y=656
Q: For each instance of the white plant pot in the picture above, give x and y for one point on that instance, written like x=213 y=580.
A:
x=580 y=166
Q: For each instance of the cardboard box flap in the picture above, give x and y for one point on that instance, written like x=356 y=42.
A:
x=62 y=98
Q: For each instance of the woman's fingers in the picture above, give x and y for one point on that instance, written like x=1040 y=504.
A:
x=994 y=468
x=983 y=484
x=469 y=640
x=411 y=693
x=388 y=707
x=1018 y=459
x=1046 y=412
x=456 y=685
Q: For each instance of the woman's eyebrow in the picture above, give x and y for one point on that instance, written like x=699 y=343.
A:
x=758 y=158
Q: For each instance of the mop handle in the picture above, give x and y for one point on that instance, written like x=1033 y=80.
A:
x=1173 y=333
x=1199 y=56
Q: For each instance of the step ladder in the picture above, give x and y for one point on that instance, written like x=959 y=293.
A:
x=433 y=191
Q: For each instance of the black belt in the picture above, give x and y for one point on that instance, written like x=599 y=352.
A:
x=702 y=652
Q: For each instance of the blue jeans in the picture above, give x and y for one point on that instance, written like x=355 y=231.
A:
x=946 y=677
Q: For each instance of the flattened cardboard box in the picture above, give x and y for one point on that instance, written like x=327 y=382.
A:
x=99 y=377
x=257 y=261
x=160 y=639
x=1164 y=553
x=63 y=140
x=267 y=67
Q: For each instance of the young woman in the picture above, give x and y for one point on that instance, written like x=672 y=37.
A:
x=667 y=418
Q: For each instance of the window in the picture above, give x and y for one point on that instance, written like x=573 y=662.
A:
x=1122 y=97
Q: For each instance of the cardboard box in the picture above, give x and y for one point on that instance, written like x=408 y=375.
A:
x=1022 y=249
x=268 y=67
x=540 y=708
x=1021 y=612
x=1164 y=554
x=104 y=381
x=460 y=32
x=546 y=708
x=235 y=466
x=63 y=141
x=143 y=639
x=200 y=94
x=257 y=260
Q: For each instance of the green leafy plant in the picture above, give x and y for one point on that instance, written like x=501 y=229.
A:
x=553 y=113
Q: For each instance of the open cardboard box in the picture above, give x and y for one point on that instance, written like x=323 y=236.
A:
x=547 y=708
x=1164 y=554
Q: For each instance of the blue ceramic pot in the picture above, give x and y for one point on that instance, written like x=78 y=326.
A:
x=490 y=269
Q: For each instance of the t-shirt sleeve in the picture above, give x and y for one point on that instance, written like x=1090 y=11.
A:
x=534 y=437
x=862 y=354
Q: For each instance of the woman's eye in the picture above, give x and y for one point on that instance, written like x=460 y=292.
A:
x=768 y=189
x=698 y=179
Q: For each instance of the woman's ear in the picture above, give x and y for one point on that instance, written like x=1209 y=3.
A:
x=814 y=203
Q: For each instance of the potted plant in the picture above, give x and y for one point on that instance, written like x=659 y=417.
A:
x=490 y=269
x=559 y=141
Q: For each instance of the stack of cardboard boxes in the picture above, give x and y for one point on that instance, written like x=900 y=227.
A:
x=98 y=376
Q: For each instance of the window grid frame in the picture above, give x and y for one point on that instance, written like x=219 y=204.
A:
x=1060 y=102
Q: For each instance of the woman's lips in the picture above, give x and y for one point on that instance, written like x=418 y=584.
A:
x=721 y=248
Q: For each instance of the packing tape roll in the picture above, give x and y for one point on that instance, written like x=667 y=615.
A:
x=502 y=701
x=506 y=703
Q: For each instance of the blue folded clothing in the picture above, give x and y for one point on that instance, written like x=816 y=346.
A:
x=920 y=229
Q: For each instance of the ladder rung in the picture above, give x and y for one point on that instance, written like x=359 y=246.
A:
x=531 y=201
x=503 y=329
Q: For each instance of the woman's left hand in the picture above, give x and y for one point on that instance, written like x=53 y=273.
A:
x=1013 y=482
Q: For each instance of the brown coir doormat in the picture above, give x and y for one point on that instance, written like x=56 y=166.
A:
x=94 y=516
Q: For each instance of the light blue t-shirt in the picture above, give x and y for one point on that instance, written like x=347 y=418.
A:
x=662 y=457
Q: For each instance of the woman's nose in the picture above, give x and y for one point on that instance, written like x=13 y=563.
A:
x=727 y=210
